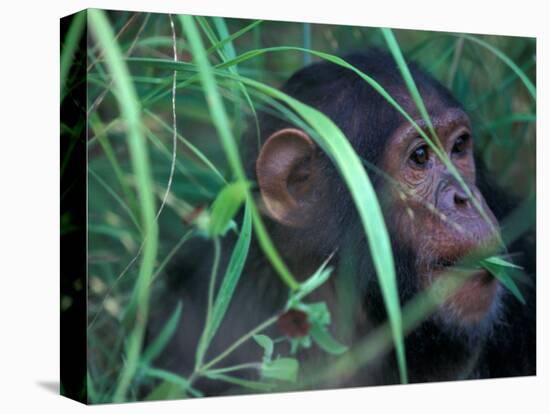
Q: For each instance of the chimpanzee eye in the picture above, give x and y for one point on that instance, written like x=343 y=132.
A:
x=460 y=144
x=420 y=156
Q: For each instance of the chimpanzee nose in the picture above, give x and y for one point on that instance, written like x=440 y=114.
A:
x=450 y=196
x=461 y=199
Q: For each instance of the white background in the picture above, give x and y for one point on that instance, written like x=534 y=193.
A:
x=29 y=207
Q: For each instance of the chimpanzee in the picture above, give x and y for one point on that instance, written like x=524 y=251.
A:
x=480 y=331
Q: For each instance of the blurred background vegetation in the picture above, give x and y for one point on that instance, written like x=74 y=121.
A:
x=477 y=71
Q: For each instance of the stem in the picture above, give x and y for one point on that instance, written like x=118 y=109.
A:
x=213 y=276
x=184 y=238
x=204 y=339
x=239 y=367
x=239 y=342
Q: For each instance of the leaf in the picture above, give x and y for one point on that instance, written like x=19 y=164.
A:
x=299 y=342
x=267 y=344
x=502 y=273
x=498 y=261
x=176 y=379
x=166 y=390
x=226 y=205
x=318 y=313
x=324 y=339
x=229 y=282
x=312 y=283
x=230 y=38
x=163 y=337
x=284 y=369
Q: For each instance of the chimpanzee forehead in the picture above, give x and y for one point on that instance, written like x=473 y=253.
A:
x=436 y=100
x=444 y=121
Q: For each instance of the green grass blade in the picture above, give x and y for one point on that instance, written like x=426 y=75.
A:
x=160 y=342
x=203 y=341
x=407 y=77
x=223 y=33
x=118 y=199
x=90 y=388
x=213 y=48
x=226 y=205
x=309 y=285
x=186 y=236
x=69 y=48
x=173 y=378
x=228 y=53
x=325 y=340
x=233 y=36
x=509 y=62
x=98 y=128
x=508 y=120
x=128 y=102
x=507 y=83
x=504 y=272
x=233 y=272
x=498 y=261
x=224 y=131
x=307 y=42
x=228 y=285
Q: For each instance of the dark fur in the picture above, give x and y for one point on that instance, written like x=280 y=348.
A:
x=503 y=345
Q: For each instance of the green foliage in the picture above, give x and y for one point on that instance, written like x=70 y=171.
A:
x=225 y=207
x=160 y=342
x=128 y=102
x=267 y=344
x=228 y=285
x=322 y=337
x=219 y=117
x=228 y=69
x=283 y=369
x=503 y=271
x=68 y=49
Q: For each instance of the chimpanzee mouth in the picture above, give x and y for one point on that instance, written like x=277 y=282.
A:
x=461 y=269
x=469 y=290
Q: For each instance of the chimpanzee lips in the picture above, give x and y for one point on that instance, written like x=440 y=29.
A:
x=463 y=260
x=472 y=298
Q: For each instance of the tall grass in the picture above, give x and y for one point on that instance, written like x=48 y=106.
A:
x=128 y=102
x=69 y=48
x=227 y=70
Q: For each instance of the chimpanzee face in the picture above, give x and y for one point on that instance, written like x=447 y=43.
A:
x=432 y=214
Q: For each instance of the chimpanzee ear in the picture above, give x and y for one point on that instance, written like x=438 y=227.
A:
x=287 y=176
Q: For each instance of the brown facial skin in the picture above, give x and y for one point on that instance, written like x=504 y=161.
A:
x=433 y=215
